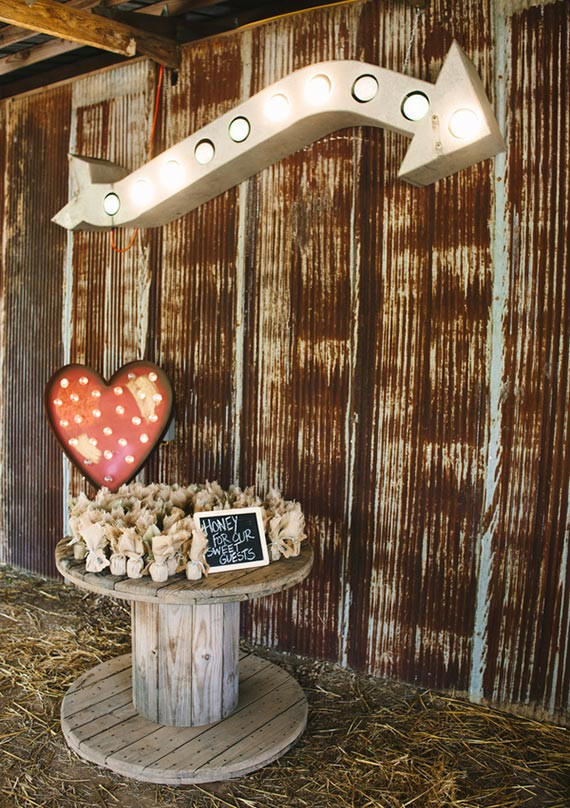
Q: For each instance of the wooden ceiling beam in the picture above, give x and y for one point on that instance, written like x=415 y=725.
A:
x=31 y=56
x=77 y=25
x=10 y=34
x=39 y=53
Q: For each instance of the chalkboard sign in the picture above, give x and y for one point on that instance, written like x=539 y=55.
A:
x=236 y=538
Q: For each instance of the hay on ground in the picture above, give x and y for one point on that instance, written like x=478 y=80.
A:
x=368 y=743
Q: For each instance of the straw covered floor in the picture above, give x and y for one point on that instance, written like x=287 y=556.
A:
x=368 y=743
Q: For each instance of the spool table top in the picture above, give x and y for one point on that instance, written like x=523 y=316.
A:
x=223 y=587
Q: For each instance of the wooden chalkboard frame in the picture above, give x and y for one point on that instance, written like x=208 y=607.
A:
x=260 y=539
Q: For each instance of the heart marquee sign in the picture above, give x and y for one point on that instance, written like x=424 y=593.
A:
x=109 y=429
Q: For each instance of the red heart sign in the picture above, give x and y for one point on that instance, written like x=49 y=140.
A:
x=109 y=430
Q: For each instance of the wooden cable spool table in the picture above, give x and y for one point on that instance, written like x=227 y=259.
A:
x=186 y=706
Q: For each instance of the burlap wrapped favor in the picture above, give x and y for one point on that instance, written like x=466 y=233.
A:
x=82 y=514
x=175 y=515
x=197 y=564
x=118 y=560
x=78 y=508
x=180 y=497
x=180 y=535
x=123 y=525
x=164 y=549
x=95 y=537
x=135 y=567
x=211 y=497
x=144 y=521
x=272 y=505
x=118 y=564
x=79 y=549
x=131 y=546
x=243 y=499
x=286 y=532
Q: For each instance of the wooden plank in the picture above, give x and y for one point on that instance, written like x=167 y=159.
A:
x=276 y=577
x=137 y=727
x=39 y=53
x=166 y=740
x=175 y=664
x=207 y=663
x=114 y=704
x=177 y=586
x=230 y=671
x=84 y=698
x=103 y=580
x=145 y=658
x=76 y=25
x=101 y=746
x=101 y=671
x=107 y=721
x=231 y=732
x=172 y=8
x=10 y=34
x=136 y=587
x=281 y=728
x=33 y=55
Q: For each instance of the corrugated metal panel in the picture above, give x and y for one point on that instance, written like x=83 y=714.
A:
x=297 y=369
x=195 y=294
x=35 y=183
x=4 y=537
x=421 y=369
x=528 y=624
x=107 y=299
x=395 y=358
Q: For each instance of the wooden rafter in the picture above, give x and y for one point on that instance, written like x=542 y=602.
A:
x=10 y=34
x=80 y=26
x=27 y=57
x=39 y=53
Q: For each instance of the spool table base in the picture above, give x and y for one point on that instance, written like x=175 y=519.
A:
x=102 y=726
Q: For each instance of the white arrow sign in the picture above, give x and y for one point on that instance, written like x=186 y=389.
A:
x=451 y=124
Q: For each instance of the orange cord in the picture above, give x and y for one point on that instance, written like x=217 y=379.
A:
x=129 y=245
x=150 y=145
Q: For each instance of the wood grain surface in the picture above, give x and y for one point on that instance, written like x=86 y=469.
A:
x=185 y=661
x=224 y=587
x=102 y=726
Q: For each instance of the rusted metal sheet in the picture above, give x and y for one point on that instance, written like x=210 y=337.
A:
x=34 y=179
x=197 y=289
x=4 y=543
x=106 y=296
x=297 y=368
x=395 y=358
x=528 y=623
x=421 y=365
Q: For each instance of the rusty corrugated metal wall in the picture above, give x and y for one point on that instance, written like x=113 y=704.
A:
x=395 y=358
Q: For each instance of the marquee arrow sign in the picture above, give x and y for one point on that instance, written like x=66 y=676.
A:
x=451 y=124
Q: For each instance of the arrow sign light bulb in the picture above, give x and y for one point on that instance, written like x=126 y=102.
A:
x=451 y=124
x=415 y=106
x=464 y=123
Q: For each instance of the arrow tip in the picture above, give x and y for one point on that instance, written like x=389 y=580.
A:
x=440 y=147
